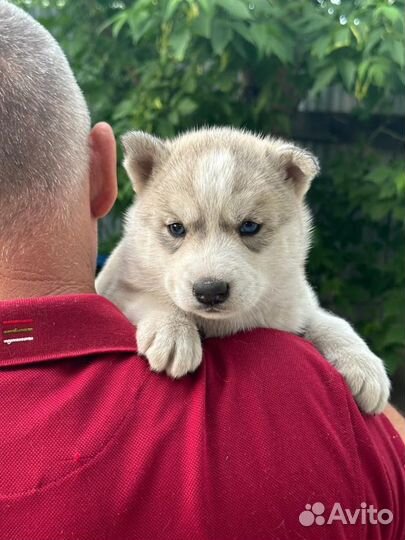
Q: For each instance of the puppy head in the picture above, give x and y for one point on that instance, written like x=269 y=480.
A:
x=219 y=219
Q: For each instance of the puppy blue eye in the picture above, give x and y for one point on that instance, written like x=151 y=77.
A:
x=177 y=230
x=249 y=228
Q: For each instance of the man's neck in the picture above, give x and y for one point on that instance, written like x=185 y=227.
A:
x=33 y=273
x=19 y=283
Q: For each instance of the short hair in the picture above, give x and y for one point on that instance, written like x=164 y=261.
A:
x=44 y=119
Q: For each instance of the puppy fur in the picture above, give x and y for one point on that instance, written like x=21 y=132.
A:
x=211 y=181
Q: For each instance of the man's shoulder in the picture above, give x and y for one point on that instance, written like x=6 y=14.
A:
x=276 y=359
x=264 y=427
x=282 y=402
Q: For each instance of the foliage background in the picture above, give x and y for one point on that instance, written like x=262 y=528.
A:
x=166 y=65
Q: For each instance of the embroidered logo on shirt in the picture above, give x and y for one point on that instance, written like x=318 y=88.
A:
x=17 y=331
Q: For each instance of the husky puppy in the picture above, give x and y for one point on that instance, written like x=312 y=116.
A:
x=216 y=243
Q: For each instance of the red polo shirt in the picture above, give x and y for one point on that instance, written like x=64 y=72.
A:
x=93 y=446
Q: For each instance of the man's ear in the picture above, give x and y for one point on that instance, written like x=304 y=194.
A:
x=103 y=170
x=142 y=153
x=298 y=165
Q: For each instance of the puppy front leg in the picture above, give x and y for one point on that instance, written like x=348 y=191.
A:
x=170 y=341
x=363 y=370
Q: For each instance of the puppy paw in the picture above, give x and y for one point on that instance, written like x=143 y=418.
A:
x=170 y=344
x=366 y=376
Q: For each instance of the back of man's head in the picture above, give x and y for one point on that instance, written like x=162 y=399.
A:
x=44 y=123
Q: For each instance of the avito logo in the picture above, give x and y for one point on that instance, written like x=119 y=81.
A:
x=315 y=514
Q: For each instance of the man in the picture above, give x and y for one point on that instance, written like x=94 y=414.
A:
x=263 y=441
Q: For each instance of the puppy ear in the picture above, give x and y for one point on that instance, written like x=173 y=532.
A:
x=299 y=165
x=142 y=153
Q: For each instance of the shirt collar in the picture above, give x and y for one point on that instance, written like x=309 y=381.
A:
x=57 y=327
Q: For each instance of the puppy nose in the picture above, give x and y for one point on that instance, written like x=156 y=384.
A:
x=211 y=291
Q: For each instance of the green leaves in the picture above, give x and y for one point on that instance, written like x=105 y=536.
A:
x=360 y=47
x=347 y=70
x=235 y=8
x=321 y=46
x=324 y=78
x=170 y=9
x=389 y=13
x=397 y=51
x=357 y=264
x=186 y=106
x=341 y=38
x=179 y=41
x=221 y=36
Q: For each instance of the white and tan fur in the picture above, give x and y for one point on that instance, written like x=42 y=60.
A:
x=211 y=181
